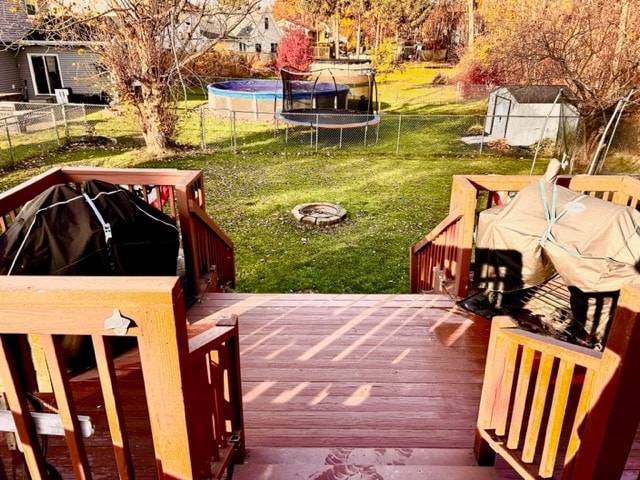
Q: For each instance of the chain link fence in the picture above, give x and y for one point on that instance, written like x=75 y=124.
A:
x=29 y=129
x=385 y=134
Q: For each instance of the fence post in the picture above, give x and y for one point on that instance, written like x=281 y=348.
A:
x=55 y=126
x=482 y=137
x=234 y=142
x=398 y=139
x=11 y=154
x=66 y=124
x=84 y=117
x=202 y=139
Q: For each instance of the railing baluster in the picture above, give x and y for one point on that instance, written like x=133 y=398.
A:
x=537 y=408
x=113 y=406
x=17 y=400
x=217 y=383
x=556 y=417
x=519 y=404
x=172 y=202
x=66 y=406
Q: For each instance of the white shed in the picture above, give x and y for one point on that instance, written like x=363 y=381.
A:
x=518 y=113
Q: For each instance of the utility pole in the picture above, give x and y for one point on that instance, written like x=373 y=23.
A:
x=470 y=8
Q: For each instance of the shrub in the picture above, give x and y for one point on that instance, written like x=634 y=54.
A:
x=385 y=57
x=294 y=50
x=218 y=63
x=473 y=73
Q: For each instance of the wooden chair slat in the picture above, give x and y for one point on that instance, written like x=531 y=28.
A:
x=586 y=396
x=557 y=415
x=504 y=395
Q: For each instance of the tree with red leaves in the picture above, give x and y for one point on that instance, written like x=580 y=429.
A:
x=294 y=50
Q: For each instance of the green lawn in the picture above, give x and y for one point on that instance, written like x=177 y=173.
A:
x=391 y=202
x=392 y=199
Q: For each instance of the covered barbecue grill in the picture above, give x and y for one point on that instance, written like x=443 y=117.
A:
x=102 y=230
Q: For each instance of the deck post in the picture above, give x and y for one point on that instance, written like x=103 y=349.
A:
x=464 y=200
x=178 y=438
x=611 y=425
x=235 y=391
x=485 y=456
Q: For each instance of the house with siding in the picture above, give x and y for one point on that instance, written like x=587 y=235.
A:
x=33 y=67
x=256 y=33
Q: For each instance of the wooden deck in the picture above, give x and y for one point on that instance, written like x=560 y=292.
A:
x=319 y=370
x=357 y=370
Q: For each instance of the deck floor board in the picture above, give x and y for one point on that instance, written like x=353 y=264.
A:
x=359 y=370
x=324 y=370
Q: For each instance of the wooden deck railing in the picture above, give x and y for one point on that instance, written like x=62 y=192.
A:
x=446 y=252
x=208 y=252
x=550 y=406
x=191 y=373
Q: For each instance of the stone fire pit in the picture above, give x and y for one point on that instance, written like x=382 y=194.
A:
x=321 y=214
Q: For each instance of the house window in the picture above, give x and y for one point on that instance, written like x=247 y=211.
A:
x=258 y=48
x=266 y=23
x=30 y=7
x=274 y=47
x=45 y=73
x=243 y=47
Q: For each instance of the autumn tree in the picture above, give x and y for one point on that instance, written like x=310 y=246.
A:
x=147 y=43
x=592 y=48
x=294 y=50
x=292 y=11
x=328 y=11
x=354 y=13
x=398 y=19
x=447 y=25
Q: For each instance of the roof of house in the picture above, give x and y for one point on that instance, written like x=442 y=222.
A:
x=14 y=24
x=17 y=29
x=537 y=93
x=233 y=26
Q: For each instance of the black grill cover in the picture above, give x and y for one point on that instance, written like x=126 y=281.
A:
x=59 y=233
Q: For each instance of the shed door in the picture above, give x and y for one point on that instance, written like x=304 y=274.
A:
x=501 y=109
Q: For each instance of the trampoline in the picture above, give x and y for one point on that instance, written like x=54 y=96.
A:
x=251 y=98
x=301 y=110
x=328 y=118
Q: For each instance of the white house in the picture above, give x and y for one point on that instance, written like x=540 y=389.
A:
x=518 y=113
x=255 y=33
x=33 y=67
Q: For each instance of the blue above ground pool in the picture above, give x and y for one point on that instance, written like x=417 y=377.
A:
x=257 y=98
x=269 y=88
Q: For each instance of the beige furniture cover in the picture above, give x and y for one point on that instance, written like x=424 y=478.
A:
x=592 y=244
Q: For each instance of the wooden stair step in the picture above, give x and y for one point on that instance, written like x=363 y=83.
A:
x=362 y=472
x=299 y=463
x=359 y=456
